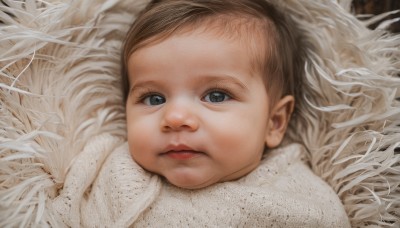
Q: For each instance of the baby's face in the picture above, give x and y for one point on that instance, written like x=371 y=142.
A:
x=197 y=113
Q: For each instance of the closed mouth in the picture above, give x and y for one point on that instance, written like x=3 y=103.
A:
x=181 y=152
x=182 y=155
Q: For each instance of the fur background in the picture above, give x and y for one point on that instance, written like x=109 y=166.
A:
x=60 y=88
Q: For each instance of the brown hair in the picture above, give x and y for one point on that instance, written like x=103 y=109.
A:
x=282 y=62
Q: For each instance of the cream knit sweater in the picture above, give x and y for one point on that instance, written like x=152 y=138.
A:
x=281 y=192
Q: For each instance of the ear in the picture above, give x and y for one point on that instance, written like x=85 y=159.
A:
x=278 y=121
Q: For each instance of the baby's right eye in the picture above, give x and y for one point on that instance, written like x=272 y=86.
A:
x=153 y=99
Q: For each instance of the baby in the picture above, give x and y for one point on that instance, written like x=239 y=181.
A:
x=210 y=87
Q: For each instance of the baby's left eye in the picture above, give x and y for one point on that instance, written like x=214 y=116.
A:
x=216 y=97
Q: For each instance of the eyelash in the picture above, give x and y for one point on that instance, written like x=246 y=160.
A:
x=220 y=90
x=140 y=97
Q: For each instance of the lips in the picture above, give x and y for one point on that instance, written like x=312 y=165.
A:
x=180 y=152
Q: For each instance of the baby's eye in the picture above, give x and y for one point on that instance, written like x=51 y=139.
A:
x=153 y=99
x=216 y=97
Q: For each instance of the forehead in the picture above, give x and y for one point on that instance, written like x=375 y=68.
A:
x=252 y=34
x=200 y=49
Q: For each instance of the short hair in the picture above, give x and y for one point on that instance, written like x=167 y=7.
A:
x=281 y=62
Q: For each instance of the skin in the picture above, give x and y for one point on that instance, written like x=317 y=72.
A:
x=198 y=114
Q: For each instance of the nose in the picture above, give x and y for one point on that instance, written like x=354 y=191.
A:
x=179 y=117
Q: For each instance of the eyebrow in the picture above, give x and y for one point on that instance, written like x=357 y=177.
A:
x=223 y=78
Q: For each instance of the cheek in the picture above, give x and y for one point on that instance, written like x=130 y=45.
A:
x=239 y=135
x=139 y=125
x=140 y=133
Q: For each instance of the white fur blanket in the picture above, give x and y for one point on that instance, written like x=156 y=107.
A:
x=60 y=90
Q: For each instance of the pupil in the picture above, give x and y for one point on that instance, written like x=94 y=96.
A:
x=217 y=97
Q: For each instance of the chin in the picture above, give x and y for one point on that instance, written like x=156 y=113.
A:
x=189 y=183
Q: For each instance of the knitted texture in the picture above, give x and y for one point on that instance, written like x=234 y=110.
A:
x=281 y=192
